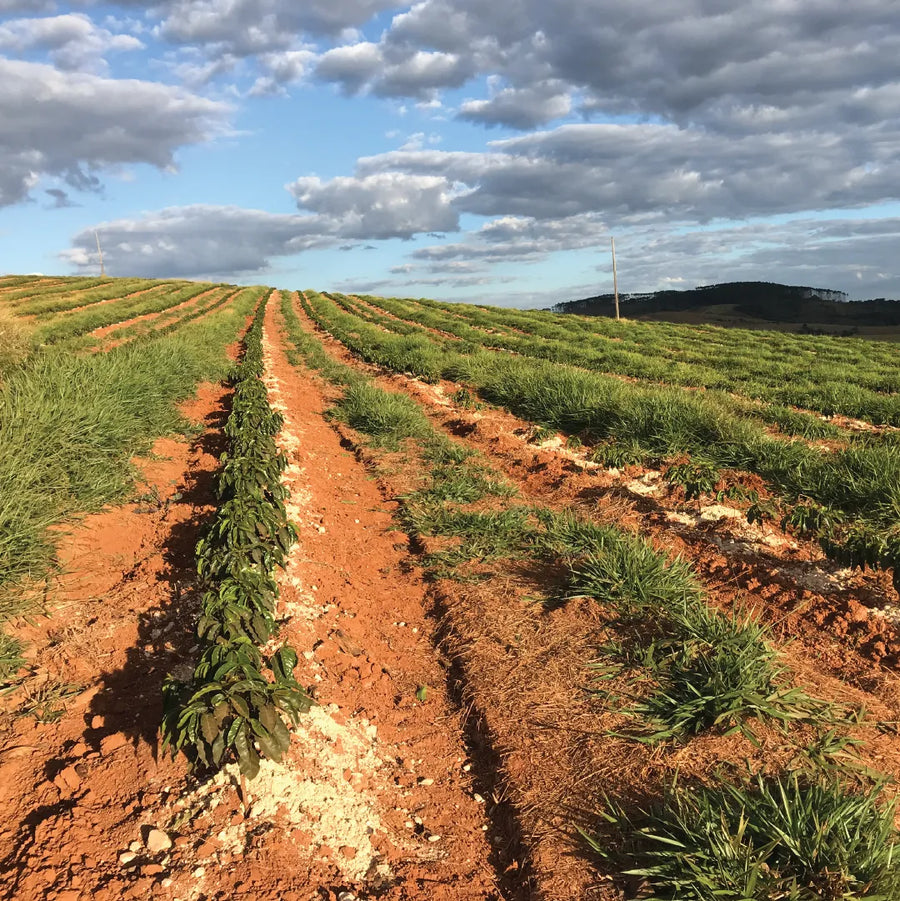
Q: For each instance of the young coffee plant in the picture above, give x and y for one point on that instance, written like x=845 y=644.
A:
x=236 y=704
x=696 y=478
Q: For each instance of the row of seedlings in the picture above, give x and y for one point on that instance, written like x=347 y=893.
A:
x=240 y=697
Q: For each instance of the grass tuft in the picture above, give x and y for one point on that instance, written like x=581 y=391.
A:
x=386 y=418
x=709 y=670
x=797 y=838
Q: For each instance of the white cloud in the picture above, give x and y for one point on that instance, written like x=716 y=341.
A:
x=74 y=125
x=194 y=241
x=521 y=108
x=386 y=205
x=72 y=41
x=245 y=27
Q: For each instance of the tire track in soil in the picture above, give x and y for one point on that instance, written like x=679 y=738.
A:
x=376 y=795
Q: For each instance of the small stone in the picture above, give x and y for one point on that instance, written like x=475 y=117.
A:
x=208 y=848
x=126 y=857
x=136 y=847
x=68 y=779
x=158 y=841
x=112 y=743
x=346 y=896
x=434 y=838
x=348 y=851
x=478 y=798
x=97 y=722
x=426 y=781
x=199 y=873
x=152 y=869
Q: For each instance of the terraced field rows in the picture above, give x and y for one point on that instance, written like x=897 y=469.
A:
x=567 y=632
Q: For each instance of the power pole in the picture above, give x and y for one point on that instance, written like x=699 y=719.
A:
x=612 y=242
x=103 y=271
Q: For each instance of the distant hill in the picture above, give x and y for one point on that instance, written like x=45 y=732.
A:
x=766 y=305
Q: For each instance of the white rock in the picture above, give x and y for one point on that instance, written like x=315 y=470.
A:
x=158 y=841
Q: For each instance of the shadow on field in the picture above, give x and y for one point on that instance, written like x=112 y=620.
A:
x=129 y=701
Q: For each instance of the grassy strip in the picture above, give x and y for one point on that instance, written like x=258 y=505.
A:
x=73 y=325
x=237 y=701
x=862 y=481
x=119 y=288
x=69 y=426
x=789 y=422
x=853 y=377
x=65 y=285
x=802 y=837
x=172 y=319
x=8 y=282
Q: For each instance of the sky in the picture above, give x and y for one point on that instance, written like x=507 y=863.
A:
x=476 y=150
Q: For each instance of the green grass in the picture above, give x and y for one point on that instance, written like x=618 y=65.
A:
x=386 y=418
x=70 y=424
x=794 y=838
x=482 y=536
x=706 y=670
x=64 y=326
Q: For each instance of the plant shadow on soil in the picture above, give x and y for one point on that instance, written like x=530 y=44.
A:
x=130 y=698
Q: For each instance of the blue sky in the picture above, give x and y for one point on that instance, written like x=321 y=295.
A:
x=457 y=149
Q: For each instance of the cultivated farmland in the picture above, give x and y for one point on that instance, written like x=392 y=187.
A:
x=315 y=596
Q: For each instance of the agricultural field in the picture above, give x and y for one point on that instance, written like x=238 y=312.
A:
x=313 y=596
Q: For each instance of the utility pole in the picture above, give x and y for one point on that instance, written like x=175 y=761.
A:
x=612 y=242
x=103 y=272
